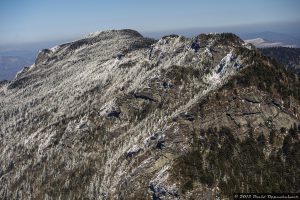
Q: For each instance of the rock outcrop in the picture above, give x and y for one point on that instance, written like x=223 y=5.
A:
x=85 y=123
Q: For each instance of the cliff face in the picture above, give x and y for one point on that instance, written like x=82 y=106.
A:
x=119 y=116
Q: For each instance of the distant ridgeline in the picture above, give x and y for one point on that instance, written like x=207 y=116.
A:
x=289 y=57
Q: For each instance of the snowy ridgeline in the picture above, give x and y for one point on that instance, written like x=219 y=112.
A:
x=65 y=74
x=73 y=90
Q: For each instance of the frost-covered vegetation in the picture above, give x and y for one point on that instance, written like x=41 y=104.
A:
x=109 y=116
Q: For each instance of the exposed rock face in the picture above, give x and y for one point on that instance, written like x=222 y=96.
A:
x=84 y=123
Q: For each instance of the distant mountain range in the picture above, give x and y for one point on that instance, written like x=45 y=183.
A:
x=274 y=37
x=289 y=57
x=10 y=65
x=262 y=43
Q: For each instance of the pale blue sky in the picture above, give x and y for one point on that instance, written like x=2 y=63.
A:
x=42 y=20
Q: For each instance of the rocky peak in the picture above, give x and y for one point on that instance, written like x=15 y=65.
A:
x=119 y=116
x=115 y=33
x=220 y=39
x=116 y=37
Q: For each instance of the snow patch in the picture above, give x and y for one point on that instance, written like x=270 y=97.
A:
x=262 y=43
x=94 y=34
x=54 y=49
x=25 y=69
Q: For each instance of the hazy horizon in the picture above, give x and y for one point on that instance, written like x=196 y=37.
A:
x=36 y=21
x=29 y=26
x=292 y=29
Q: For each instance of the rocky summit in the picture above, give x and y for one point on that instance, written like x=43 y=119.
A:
x=119 y=116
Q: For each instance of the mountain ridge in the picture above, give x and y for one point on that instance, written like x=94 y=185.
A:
x=289 y=57
x=107 y=117
x=262 y=43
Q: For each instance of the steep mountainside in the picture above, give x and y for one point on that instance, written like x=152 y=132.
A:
x=289 y=57
x=119 y=116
